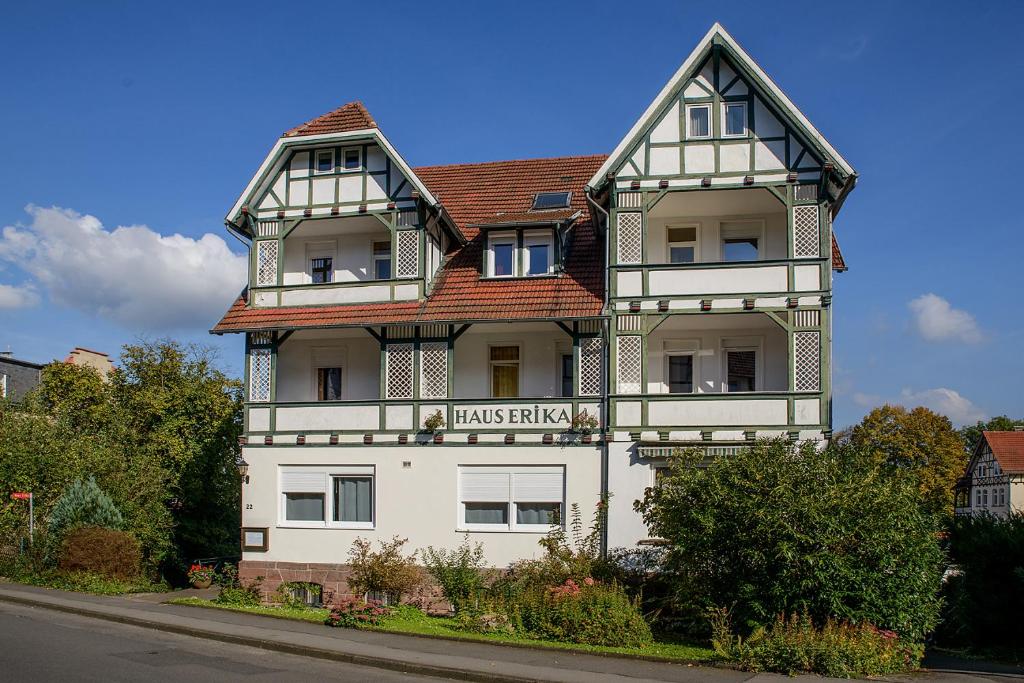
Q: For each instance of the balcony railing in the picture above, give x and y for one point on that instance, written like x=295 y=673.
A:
x=750 y=278
x=363 y=291
x=747 y=411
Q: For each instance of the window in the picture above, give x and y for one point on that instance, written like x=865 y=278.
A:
x=682 y=244
x=977 y=498
x=567 y=374
x=504 y=371
x=510 y=498
x=328 y=384
x=352 y=160
x=325 y=161
x=321 y=270
x=3 y=385
x=734 y=117
x=346 y=491
x=984 y=498
x=382 y=260
x=741 y=241
x=680 y=374
x=551 y=200
x=538 y=253
x=741 y=369
x=502 y=255
x=698 y=121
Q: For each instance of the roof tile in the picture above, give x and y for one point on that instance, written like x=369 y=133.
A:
x=352 y=116
x=1008 y=449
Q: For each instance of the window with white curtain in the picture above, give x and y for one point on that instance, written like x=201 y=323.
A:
x=336 y=497
x=698 y=121
x=734 y=119
x=511 y=498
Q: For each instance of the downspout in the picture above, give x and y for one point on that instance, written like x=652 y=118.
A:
x=597 y=209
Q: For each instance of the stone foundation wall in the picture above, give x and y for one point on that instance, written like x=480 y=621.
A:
x=333 y=578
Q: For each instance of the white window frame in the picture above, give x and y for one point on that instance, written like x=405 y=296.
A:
x=535 y=238
x=374 y=258
x=758 y=226
x=695 y=243
x=725 y=120
x=492 y=363
x=711 y=121
x=316 y=161
x=3 y=385
x=315 y=250
x=682 y=347
x=512 y=526
x=755 y=344
x=495 y=238
x=341 y=162
x=328 y=473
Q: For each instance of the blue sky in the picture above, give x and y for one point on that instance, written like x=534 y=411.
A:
x=155 y=115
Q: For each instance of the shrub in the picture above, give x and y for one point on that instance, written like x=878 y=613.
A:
x=234 y=591
x=83 y=503
x=590 y=613
x=795 y=645
x=107 y=552
x=459 y=572
x=985 y=595
x=300 y=594
x=353 y=613
x=778 y=529
x=386 y=572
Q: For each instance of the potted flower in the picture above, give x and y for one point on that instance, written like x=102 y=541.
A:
x=200 y=575
x=584 y=423
x=433 y=423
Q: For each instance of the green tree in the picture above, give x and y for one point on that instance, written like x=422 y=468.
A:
x=920 y=442
x=971 y=434
x=779 y=529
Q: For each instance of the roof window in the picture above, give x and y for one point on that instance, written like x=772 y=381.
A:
x=551 y=200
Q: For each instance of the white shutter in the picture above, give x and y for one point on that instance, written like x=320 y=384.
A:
x=303 y=481
x=543 y=486
x=484 y=485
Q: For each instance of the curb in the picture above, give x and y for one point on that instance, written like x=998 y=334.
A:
x=319 y=653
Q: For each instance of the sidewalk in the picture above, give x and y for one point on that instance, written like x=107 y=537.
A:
x=448 y=659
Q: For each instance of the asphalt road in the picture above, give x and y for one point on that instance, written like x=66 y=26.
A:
x=43 y=645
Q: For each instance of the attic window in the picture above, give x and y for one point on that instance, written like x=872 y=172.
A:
x=324 y=160
x=551 y=200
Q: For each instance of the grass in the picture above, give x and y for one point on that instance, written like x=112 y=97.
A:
x=411 y=621
x=85 y=582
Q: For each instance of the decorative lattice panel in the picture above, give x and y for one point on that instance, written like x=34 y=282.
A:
x=630 y=323
x=807 y=318
x=628 y=363
x=260 y=338
x=408 y=262
x=629 y=230
x=806 y=242
x=266 y=262
x=590 y=366
x=806 y=361
x=259 y=375
x=268 y=228
x=399 y=371
x=407 y=218
x=632 y=200
x=434 y=370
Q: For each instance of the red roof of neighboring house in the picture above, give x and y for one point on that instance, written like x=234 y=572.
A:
x=352 y=116
x=1008 y=449
x=838 y=262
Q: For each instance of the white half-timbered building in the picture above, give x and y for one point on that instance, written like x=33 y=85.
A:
x=474 y=348
x=993 y=483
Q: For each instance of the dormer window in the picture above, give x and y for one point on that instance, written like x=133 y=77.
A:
x=530 y=253
x=502 y=252
x=734 y=119
x=551 y=200
x=698 y=121
x=325 y=161
x=538 y=253
x=352 y=159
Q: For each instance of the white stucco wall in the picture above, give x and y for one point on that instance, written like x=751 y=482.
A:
x=419 y=502
x=709 y=235
x=352 y=254
x=628 y=476
x=539 y=353
x=303 y=352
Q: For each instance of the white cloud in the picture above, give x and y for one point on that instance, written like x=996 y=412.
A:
x=18 y=297
x=936 y=320
x=131 y=274
x=948 y=402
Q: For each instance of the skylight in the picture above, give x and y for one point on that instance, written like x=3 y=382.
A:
x=551 y=200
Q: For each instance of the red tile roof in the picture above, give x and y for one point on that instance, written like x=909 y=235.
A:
x=838 y=262
x=520 y=217
x=1008 y=449
x=352 y=116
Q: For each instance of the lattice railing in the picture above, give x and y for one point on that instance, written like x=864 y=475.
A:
x=266 y=262
x=806 y=242
x=807 y=361
x=408 y=256
x=434 y=370
x=259 y=375
x=399 y=378
x=629 y=230
x=628 y=364
x=590 y=366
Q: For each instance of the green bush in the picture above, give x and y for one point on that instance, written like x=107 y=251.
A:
x=234 y=591
x=300 y=594
x=107 y=552
x=795 y=645
x=459 y=572
x=590 y=613
x=83 y=503
x=386 y=572
x=778 y=529
x=985 y=595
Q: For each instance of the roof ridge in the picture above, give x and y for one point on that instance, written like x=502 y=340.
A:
x=354 y=108
x=573 y=157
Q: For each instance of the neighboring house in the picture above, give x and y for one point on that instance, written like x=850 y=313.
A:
x=17 y=377
x=679 y=290
x=994 y=481
x=96 y=360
